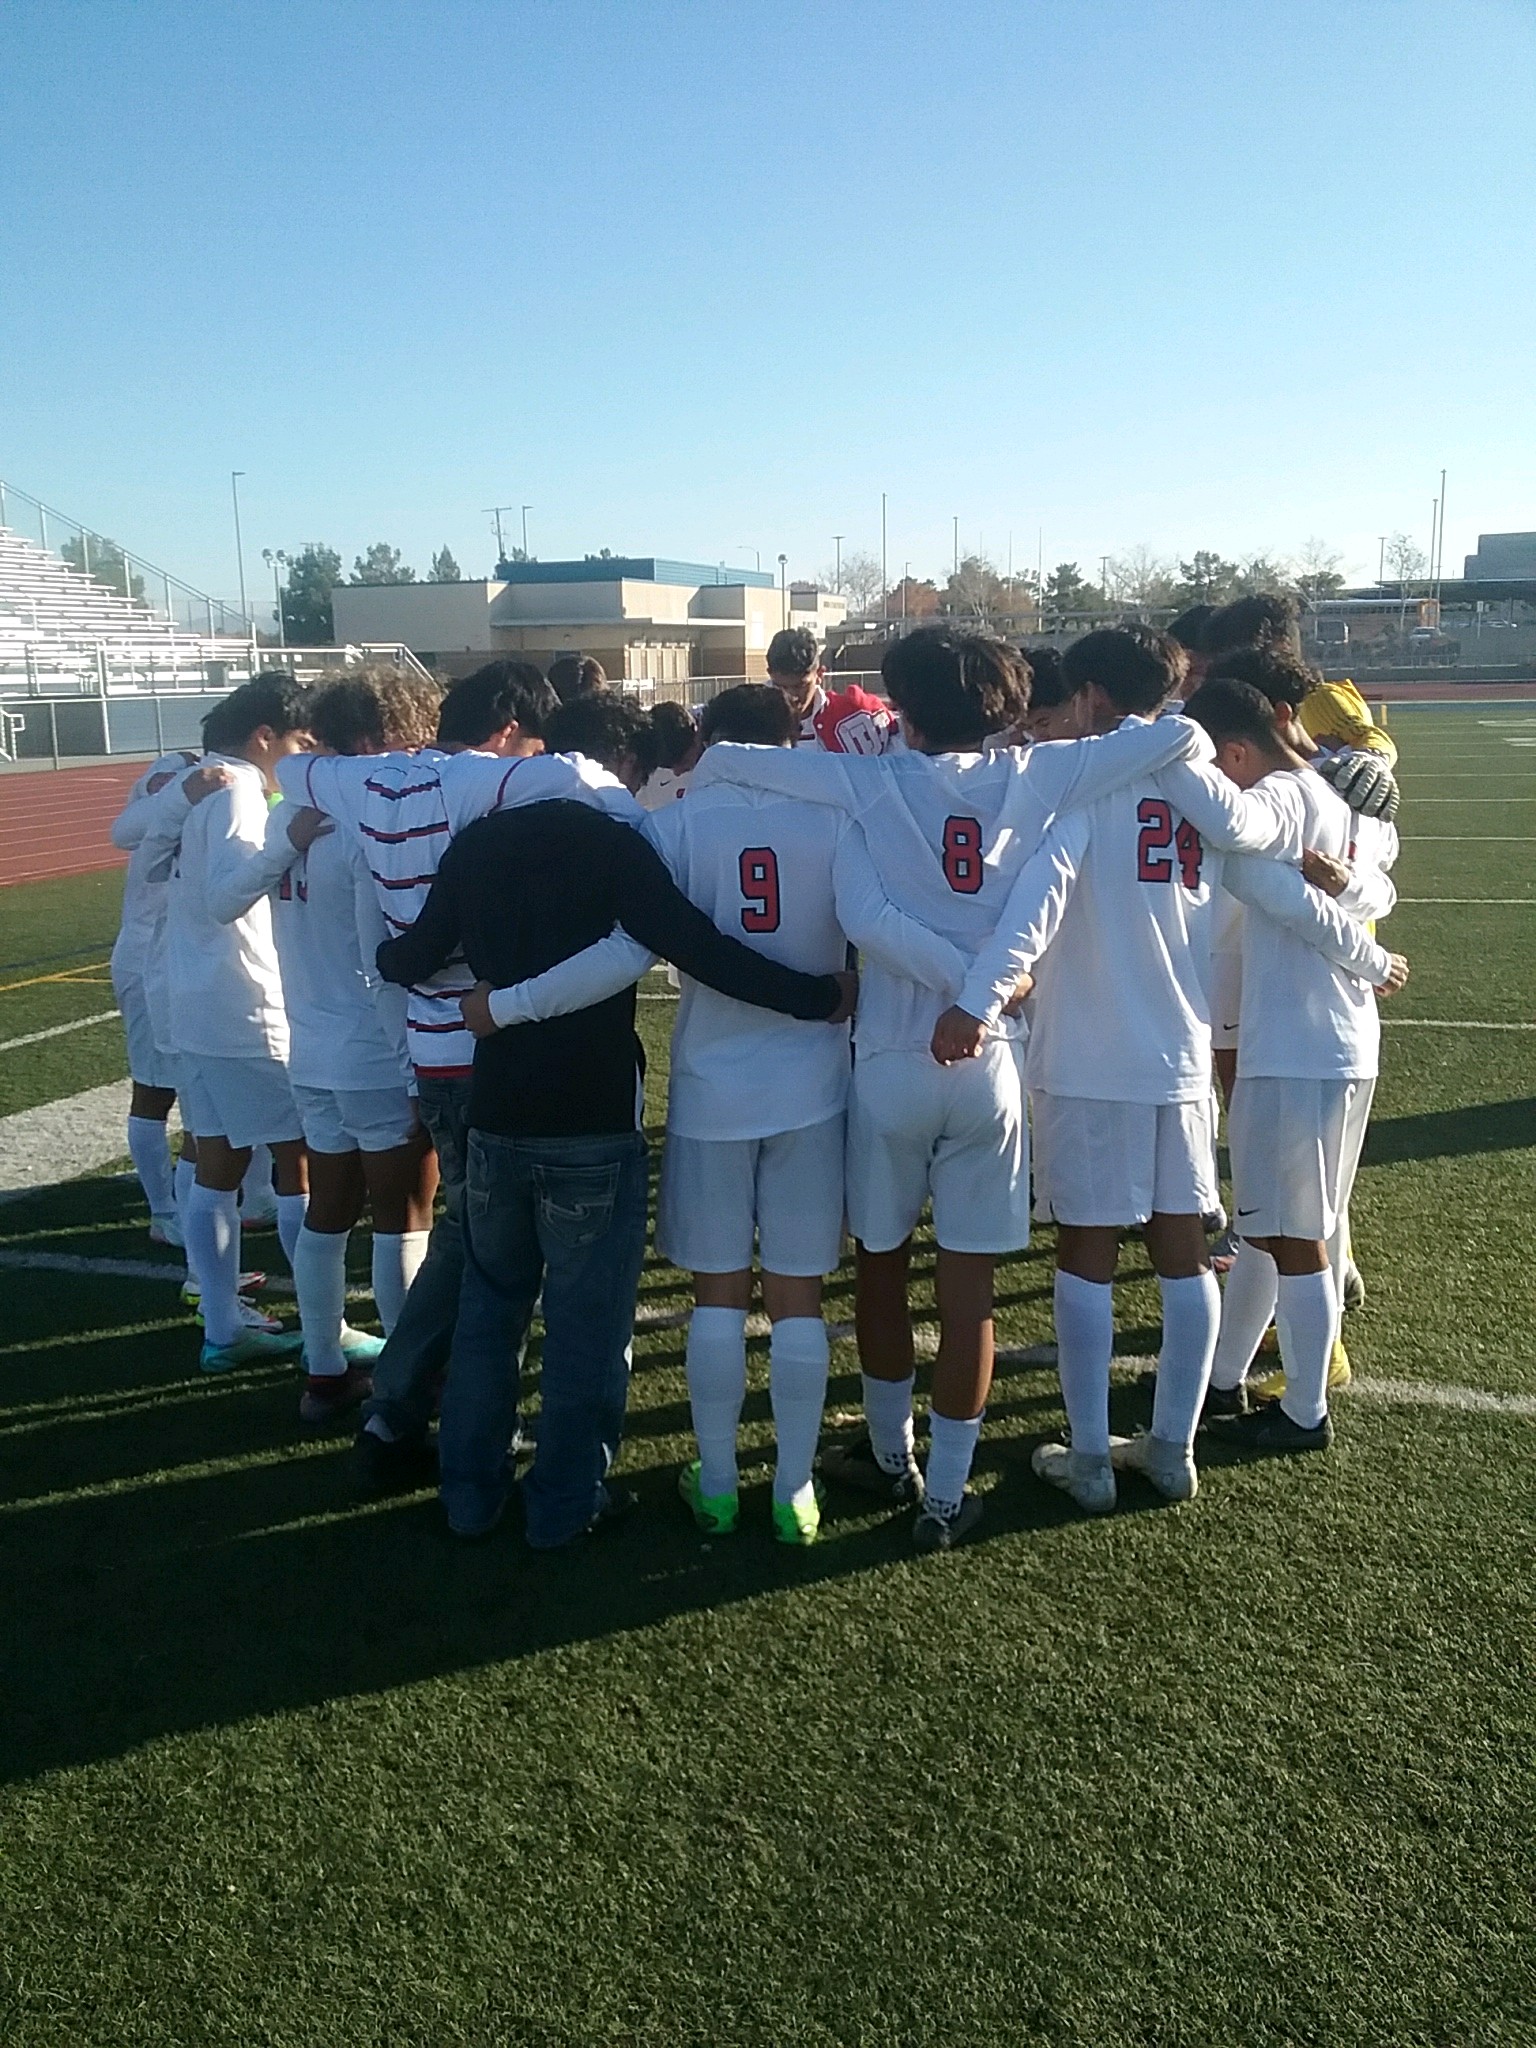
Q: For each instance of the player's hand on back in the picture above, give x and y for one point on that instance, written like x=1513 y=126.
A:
x=1324 y=872
x=475 y=1009
x=1397 y=975
x=957 y=1036
x=1022 y=989
x=306 y=825
x=204 y=780
x=848 y=982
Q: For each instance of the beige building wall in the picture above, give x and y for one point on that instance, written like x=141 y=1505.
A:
x=438 y=618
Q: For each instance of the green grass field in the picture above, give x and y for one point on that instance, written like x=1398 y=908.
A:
x=279 y=1769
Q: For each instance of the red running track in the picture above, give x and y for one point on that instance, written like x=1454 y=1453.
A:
x=55 y=822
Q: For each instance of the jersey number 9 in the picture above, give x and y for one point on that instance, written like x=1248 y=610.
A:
x=760 y=886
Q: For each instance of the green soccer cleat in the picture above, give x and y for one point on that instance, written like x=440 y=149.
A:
x=716 y=1513
x=251 y=1347
x=797 y=1521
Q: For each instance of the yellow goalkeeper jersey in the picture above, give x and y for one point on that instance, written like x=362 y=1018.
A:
x=1338 y=712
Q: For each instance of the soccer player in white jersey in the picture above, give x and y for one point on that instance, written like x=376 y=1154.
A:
x=755 y=1119
x=1119 y=1061
x=226 y=998
x=347 y=1062
x=403 y=809
x=846 y=721
x=1308 y=1046
x=140 y=939
x=949 y=826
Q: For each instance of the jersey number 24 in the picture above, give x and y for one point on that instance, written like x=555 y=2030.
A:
x=1165 y=840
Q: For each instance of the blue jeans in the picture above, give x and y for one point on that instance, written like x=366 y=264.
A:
x=567 y=1214
x=419 y=1343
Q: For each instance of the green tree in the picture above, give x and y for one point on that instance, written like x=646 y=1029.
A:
x=1206 y=578
x=312 y=575
x=103 y=561
x=511 y=557
x=1261 y=573
x=1067 y=590
x=444 y=568
x=381 y=564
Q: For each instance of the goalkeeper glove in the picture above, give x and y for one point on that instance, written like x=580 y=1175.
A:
x=1364 y=781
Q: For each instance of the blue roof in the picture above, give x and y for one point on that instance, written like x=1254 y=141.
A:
x=635 y=569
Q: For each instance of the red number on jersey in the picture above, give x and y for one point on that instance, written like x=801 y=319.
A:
x=1162 y=842
x=293 y=884
x=760 y=886
x=962 y=855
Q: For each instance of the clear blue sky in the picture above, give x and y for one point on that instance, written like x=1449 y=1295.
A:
x=690 y=278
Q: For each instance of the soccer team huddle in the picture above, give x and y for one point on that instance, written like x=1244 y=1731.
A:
x=984 y=945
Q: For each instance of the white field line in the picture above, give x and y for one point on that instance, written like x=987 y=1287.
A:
x=1475 y=799
x=57 y=1030
x=61 y=1140
x=1465 y=899
x=1450 y=1024
x=1469 y=839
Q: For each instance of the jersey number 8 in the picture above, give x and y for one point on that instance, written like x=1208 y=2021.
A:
x=760 y=886
x=1162 y=842
x=962 y=855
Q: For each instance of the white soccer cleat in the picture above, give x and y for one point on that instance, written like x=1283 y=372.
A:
x=1090 y=1481
x=167 y=1230
x=1168 y=1467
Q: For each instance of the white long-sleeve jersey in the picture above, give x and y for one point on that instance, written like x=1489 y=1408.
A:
x=224 y=982
x=142 y=930
x=328 y=927
x=949 y=834
x=403 y=810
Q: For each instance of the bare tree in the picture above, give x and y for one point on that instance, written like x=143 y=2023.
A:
x=1261 y=573
x=1318 y=575
x=1406 y=557
x=1141 y=579
x=861 y=580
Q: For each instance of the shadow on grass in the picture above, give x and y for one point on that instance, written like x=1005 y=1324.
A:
x=1453 y=1133
x=180 y=1556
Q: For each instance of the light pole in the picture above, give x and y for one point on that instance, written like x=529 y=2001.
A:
x=906 y=573
x=496 y=512
x=1104 y=577
x=526 y=510
x=234 y=491
x=1381 y=561
x=957 y=544
x=745 y=548
x=272 y=557
x=885 y=588
x=837 y=573
x=783 y=591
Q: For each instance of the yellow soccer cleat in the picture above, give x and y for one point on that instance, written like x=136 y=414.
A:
x=1269 y=1386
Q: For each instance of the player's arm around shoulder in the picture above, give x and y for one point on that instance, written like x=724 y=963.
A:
x=849 y=781
x=1071 y=774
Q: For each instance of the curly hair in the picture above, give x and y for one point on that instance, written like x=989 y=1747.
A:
x=376 y=710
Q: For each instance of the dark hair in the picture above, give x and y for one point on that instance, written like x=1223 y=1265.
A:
x=502 y=693
x=376 y=709
x=1268 y=619
x=1234 y=710
x=275 y=697
x=602 y=725
x=1276 y=672
x=1136 y=667
x=1046 y=687
x=793 y=652
x=956 y=687
x=1189 y=627
x=670 y=735
x=755 y=714
x=576 y=675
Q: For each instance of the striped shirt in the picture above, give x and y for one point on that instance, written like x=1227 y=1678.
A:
x=404 y=809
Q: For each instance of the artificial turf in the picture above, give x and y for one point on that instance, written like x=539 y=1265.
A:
x=283 y=1769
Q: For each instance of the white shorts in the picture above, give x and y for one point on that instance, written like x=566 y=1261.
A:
x=355 y=1119
x=956 y=1133
x=147 y=1064
x=1295 y=1146
x=247 y=1101
x=1099 y=1165
x=1226 y=997
x=790 y=1186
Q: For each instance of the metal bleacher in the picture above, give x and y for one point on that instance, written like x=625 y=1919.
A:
x=125 y=660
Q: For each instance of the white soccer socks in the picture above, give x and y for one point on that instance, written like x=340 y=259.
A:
x=1247 y=1304
x=798 y=1360
x=397 y=1257
x=290 y=1221
x=951 y=1447
x=1191 y=1320
x=1307 y=1316
x=257 y=1200
x=320 y=1281
x=213 y=1252
x=717 y=1386
x=888 y=1412
x=1085 y=1341
x=149 y=1147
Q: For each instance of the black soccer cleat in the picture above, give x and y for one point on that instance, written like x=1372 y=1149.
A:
x=933 y=1531
x=1224 y=1404
x=1268 y=1432
x=404 y=1466
x=853 y=1463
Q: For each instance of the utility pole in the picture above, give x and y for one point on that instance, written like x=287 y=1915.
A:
x=496 y=512
x=885 y=588
x=1440 y=551
x=957 y=544
x=1381 y=561
x=837 y=573
x=234 y=491
x=783 y=592
x=1104 y=576
x=526 y=510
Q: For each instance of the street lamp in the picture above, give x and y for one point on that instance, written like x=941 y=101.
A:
x=234 y=490
x=272 y=557
x=837 y=573
x=906 y=573
x=526 y=510
x=745 y=548
x=783 y=591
